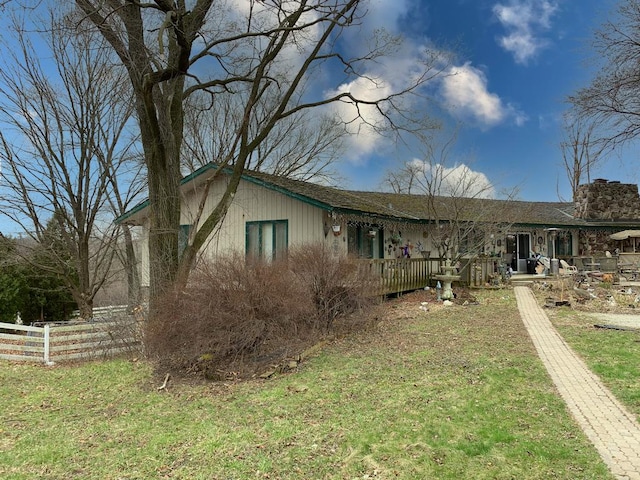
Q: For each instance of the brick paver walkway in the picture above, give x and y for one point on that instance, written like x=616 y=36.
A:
x=611 y=428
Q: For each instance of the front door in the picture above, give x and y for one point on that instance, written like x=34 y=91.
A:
x=518 y=250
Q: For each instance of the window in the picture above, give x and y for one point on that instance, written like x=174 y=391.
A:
x=564 y=244
x=365 y=241
x=267 y=240
x=471 y=241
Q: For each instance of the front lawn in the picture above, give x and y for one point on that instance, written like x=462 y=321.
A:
x=613 y=355
x=452 y=393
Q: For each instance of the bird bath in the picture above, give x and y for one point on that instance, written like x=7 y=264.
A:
x=446 y=278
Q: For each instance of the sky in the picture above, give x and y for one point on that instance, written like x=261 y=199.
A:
x=516 y=62
x=504 y=91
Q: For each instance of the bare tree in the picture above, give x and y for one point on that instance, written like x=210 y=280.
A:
x=405 y=179
x=581 y=151
x=304 y=146
x=457 y=199
x=261 y=52
x=612 y=100
x=122 y=197
x=64 y=144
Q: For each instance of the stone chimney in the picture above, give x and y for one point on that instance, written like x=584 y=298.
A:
x=607 y=200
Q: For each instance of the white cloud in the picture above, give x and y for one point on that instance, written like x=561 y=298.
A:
x=379 y=80
x=362 y=120
x=466 y=95
x=380 y=14
x=463 y=88
x=459 y=180
x=265 y=17
x=524 y=21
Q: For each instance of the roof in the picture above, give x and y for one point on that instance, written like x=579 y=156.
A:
x=625 y=234
x=417 y=208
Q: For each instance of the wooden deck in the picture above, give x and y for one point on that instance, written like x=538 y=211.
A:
x=407 y=274
x=403 y=274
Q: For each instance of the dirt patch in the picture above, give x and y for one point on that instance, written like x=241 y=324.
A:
x=622 y=321
x=419 y=302
x=590 y=297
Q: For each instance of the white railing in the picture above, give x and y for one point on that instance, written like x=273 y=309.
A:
x=100 y=312
x=70 y=340
x=24 y=343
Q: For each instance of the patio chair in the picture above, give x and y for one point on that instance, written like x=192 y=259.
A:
x=568 y=269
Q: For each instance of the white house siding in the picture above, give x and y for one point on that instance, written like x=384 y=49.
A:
x=257 y=203
x=418 y=239
x=251 y=203
x=143 y=251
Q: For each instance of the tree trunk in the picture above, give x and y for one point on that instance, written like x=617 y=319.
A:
x=161 y=146
x=131 y=268
x=85 y=296
x=85 y=306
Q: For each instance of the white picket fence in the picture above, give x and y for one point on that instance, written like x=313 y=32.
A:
x=62 y=341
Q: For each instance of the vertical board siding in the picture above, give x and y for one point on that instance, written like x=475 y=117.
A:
x=256 y=203
x=410 y=234
x=144 y=254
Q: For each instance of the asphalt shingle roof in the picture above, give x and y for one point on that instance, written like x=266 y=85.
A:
x=415 y=207
x=411 y=207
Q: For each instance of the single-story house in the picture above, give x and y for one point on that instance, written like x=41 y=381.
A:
x=270 y=214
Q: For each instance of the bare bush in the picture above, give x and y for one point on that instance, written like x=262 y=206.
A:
x=237 y=317
x=230 y=312
x=338 y=286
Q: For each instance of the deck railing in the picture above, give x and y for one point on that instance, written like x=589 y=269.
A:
x=406 y=274
x=402 y=274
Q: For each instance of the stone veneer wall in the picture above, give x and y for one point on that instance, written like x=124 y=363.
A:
x=604 y=200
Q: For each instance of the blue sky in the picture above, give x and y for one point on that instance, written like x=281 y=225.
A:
x=517 y=60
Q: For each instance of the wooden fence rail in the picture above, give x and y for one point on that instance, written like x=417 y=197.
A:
x=70 y=340
x=104 y=312
x=403 y=274
x=23 y=343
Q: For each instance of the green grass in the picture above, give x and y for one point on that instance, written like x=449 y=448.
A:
x=456 y=393
x=614 y=355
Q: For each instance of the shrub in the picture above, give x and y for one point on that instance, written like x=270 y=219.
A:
x=239 y=316
x=338 y=286
x=229 y=311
